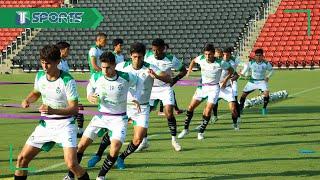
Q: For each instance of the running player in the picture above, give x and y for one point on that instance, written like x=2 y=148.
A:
x=95 y=52
x=162 y=90
x=259 y=79
x=211 y=70
x=59 y=105
x=109 y=88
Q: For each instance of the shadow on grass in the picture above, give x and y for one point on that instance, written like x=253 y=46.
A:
x=286 y=110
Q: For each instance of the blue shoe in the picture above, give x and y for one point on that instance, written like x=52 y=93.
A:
x=120 y=163
x=264 y=111
x=93 y=161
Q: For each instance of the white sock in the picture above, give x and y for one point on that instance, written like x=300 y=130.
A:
x=173 y=138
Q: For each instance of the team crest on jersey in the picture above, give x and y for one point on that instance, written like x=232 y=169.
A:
x=58 y=90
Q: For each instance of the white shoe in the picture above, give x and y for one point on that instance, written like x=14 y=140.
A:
x=100 y=178
x=176 y=146
x=236 y=127
x=200 y=136
x=183 y=133
x=68 y=178
x=144 y=145
x=214 y=119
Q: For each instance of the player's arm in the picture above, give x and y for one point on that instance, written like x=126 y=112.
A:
x=31 y=98
x=191 y=65
x=270 y=72
x=92 y=96
x=161 y=75
x=71 y=109
x=235 y=76
x=227 y=78
x=93 y=60
x=133 y=82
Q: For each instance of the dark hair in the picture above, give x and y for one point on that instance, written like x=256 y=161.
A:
x=63 y=45
x=258 y=51
x=228 y=50
x=209 y=47
x=50 y=53
x=108 y=57
x=117 y=41
x=138 y=48
x=159 y=43
x=100 y=35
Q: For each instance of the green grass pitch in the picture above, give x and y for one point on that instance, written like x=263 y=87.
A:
x=266 y=147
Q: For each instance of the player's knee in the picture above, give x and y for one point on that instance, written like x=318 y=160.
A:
x=137 y=141
x=71 y=164
x=23 y=160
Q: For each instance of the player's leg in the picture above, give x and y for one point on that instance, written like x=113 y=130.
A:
x=26 y=155
x=71 y=160
x=176 y=108
x=192 y=106
x=138 y=135
x=111 y=158
x=161 y=113
x=249 y=88
x=234 y=114
x=206 y=116
x=105 y=142
x=172 y=124
x=80 y=121
x=266 y=98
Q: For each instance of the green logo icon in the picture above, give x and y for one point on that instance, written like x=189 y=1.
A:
x=50 y=18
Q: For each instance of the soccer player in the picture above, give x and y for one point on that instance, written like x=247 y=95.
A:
x=59 y=105
x=146 y=74
x=259 y=79
x=162 y=90
x=117 y=50
x=109 y=88
x=63 y=65
x=64 y=50
x=228 y=93
x=95 y=52
x=211 y=70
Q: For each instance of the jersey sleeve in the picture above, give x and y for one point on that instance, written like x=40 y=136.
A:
x=197 y=60
x=225 y=65
x=71 y=91
x=91 y=87
x=176 y=64
x=93 y=52
x=36 y=84
x=155 y=69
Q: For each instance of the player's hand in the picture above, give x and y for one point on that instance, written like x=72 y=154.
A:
x=266 y=79
x=137 y=105
x=25 y=104
x=45 y=109
x=152 y=74
x=223 y=84
x=93 y=98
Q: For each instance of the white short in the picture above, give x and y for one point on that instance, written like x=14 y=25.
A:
x=250 y=86
x=234 y=86
x=45 y=137
x=139 y=119
x=116 y=126
x=209 y=92
x=165 y=94
x=227 y=94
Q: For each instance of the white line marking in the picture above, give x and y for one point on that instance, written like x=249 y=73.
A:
x=304 y=91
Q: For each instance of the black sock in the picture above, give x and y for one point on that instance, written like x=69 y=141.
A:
x=265 y=101
x=107 y=164
x=215 y=109
x=80 y=117
x=79 y=158
x=187 y=121
x=103 y=145
x=237 y=106
x=242 y=100
x=234 y=118
x=20 y=177
x=84 y=177
x=161 y=106
x=172 y=123
x=204 y=123
x=130 y=149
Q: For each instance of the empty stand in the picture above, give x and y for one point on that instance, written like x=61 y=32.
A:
x=186 y=25
x=285 y=38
